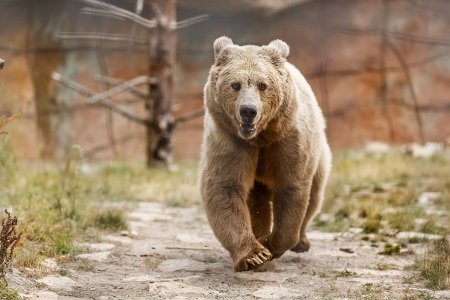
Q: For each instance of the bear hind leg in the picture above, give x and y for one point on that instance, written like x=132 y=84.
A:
x=315 y=202
x=260 y=210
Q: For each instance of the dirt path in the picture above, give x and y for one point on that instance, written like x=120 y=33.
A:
x=172 y=253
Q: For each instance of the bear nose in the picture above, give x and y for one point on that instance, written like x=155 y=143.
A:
x=248 y=112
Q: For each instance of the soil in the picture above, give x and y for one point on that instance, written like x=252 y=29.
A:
x=171 y=253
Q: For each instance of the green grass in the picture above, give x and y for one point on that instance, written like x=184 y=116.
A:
x=8 y=293
x=381 y=193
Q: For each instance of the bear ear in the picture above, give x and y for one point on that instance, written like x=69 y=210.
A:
x=220 y=44
x=280 y=47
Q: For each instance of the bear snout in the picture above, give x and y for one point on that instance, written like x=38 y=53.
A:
x=248 y=113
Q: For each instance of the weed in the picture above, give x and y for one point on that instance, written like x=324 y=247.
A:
x=346 y=273
x=8 y=241
x=371 y=226
x=111 y=219
x=391 y=250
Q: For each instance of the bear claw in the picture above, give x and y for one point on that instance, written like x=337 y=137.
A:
x=255 y=261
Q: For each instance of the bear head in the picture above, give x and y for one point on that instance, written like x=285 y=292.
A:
x=247 y=85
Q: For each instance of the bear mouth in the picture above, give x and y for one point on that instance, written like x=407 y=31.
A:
x=247 y=130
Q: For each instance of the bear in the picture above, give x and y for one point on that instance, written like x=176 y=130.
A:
x=265 y=159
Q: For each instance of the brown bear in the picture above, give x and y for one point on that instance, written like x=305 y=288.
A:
x=265 y=157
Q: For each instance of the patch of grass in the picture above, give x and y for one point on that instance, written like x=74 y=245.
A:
x=8 y=293
x=111 y=219
x=404 y=219
x=430 y=226
x=346 y=273
x=434 y=265
x=378 y=192
x=391 y=250
x=63 y=244
x=417 y=295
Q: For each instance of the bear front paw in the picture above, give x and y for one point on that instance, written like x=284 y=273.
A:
x=254 y=260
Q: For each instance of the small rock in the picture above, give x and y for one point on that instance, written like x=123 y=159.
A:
x=423 y=151
x=426 y=197
x=97 y=256
x=118 y=239
x=347 y=250
x=276 y=292
x=377 y=148
x=99 y=246
x=59 y=282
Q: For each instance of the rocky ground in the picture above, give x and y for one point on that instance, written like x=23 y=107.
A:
x=171 y=253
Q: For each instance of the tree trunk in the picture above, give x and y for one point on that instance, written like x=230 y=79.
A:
x=53 y=126
x=162 y=68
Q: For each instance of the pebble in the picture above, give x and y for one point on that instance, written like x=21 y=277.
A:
x=97 y=256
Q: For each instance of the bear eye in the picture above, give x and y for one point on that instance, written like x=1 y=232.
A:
x=236 y=86
x=262 y=86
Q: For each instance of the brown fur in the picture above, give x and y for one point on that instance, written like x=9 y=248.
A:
x=279 y=172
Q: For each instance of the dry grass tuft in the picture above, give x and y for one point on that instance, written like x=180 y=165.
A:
x=434 y=265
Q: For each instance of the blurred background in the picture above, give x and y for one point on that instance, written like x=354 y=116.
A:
x=380 y=69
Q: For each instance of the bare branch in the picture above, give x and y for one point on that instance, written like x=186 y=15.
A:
x=126 y=85
x=189 y=116
x=101 y=37
x=103 y=100
x=100 y=13
x=120 y=12
x=114 y=81
x=190 y=21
